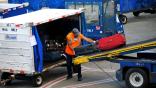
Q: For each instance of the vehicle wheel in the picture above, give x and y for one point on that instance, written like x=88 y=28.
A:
x=136 y=78
x=37 y=80
x=153 y=11
x=136 y=14
x=4 y=76
x=123 y=19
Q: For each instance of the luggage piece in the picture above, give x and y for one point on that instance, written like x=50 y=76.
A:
x=107 y=43
x=87 y=49
x=111 y=42
x=53 y=56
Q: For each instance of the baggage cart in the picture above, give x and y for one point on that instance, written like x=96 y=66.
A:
x=135 y=6
x=23 y=46
x=8 y=10
x=38 y=4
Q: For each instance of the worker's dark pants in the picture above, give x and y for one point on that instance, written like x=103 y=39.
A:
x=69 y=60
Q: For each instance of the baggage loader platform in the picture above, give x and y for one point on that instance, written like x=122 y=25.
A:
x=130 y=48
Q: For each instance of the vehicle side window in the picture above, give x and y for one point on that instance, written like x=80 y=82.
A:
x=91 y=11
x=108 y=9
x=72 y=6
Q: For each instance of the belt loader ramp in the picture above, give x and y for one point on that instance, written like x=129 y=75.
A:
x=137 y=72
x=144 y=45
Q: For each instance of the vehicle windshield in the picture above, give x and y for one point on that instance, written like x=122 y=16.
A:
x=91 y=11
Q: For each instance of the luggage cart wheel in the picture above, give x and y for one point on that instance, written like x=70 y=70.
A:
x=136 y=78
x=123 y=19
x=37 y=80
x=5 y=78
x=136 y=14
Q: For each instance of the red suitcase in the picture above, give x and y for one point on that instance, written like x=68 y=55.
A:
x=111 y=42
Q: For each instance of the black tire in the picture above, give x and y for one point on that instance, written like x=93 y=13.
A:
x=37 y=80
x=123 y=19
x=153 y=11
x=134 y=76
x=4 y=76
x=136 y=14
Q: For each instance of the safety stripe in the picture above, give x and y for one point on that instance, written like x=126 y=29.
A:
x=15 y=71
x=53 y=66
x=49 y=20
x=34 y=24
x=7 y=10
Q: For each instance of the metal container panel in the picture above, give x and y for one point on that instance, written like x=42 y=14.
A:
x=16 y=51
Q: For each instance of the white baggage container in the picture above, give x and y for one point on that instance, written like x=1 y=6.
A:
x=17 y=42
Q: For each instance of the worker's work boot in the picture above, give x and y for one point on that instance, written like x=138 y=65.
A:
x=69 y=77
x=79 y=78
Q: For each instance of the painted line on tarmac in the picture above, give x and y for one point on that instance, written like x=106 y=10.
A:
x=90 y=83
x=110 y=70
x=56 y=81
x=97 y=69
x=62 y=78
x=90 y=69
x=53 y=82
x=86 y=68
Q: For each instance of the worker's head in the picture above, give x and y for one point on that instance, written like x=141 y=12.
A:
x=76 y=32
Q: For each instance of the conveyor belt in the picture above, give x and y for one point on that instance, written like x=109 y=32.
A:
x=130 y=48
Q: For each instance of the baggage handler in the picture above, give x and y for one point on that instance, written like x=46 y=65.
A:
x=74 y=39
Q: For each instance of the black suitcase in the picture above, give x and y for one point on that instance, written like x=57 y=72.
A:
x=87 y=49
x=52 y=56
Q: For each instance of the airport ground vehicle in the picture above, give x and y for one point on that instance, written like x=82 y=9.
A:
x=138 y=72
x=120 y=6
x=8 y=10
x=38 y=4
x=101 y=17
x=134 y=6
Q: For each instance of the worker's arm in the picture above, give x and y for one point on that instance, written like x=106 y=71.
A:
x=88 y=39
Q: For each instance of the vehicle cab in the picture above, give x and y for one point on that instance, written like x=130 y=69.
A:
x=100 y=15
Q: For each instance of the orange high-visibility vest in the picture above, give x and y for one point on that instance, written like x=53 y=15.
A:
x=75 y=42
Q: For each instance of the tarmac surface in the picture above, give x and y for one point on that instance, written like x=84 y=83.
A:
x=99 y=74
